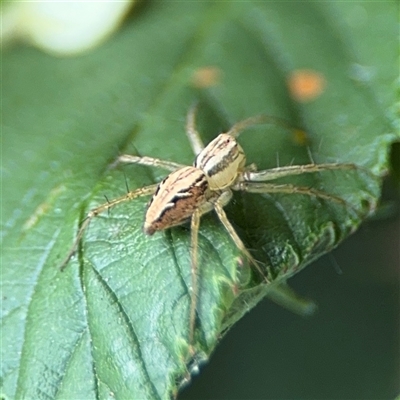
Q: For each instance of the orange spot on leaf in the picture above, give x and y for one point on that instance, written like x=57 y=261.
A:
x=305 y=85
x=206 y=77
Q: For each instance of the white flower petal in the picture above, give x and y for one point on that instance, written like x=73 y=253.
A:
x=63 y=28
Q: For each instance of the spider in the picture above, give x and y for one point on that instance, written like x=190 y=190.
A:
x=188 y=192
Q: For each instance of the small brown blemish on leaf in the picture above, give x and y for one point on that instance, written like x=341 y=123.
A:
x=306 y=85
x=300 y=137
x=205 y=77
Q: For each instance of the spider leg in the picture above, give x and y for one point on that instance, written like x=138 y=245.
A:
x=257 y=187
x=149 y=161
x=193 y=135
x=217 y=205
x=280 y=172
x=145 y=191
x=237 y=128
x=194 y=241
x=235 y=237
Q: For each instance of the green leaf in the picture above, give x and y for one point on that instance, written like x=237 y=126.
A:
x=115 y=324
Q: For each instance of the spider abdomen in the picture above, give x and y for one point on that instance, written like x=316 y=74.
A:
x=176 y=199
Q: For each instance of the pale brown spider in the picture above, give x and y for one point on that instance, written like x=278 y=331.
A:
x=188 y=192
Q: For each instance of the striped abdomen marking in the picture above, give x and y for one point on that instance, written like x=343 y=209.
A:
x=176 y=199
x=221 y=160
